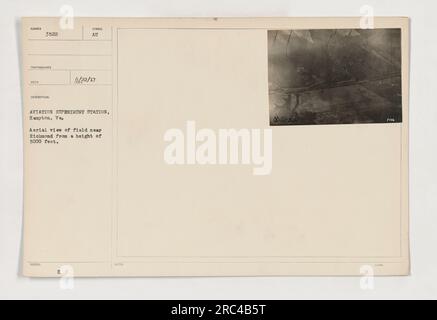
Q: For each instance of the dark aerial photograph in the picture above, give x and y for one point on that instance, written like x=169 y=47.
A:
x=345 y=76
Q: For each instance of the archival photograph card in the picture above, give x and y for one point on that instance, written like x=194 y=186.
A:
x=215 y=147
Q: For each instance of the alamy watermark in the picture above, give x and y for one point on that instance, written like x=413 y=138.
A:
x=66 y=281
x=367 y=20
x=66 y=21
x=367 y=280
x=220 y=147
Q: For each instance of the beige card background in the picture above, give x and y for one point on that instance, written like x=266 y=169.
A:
x=337 y=198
